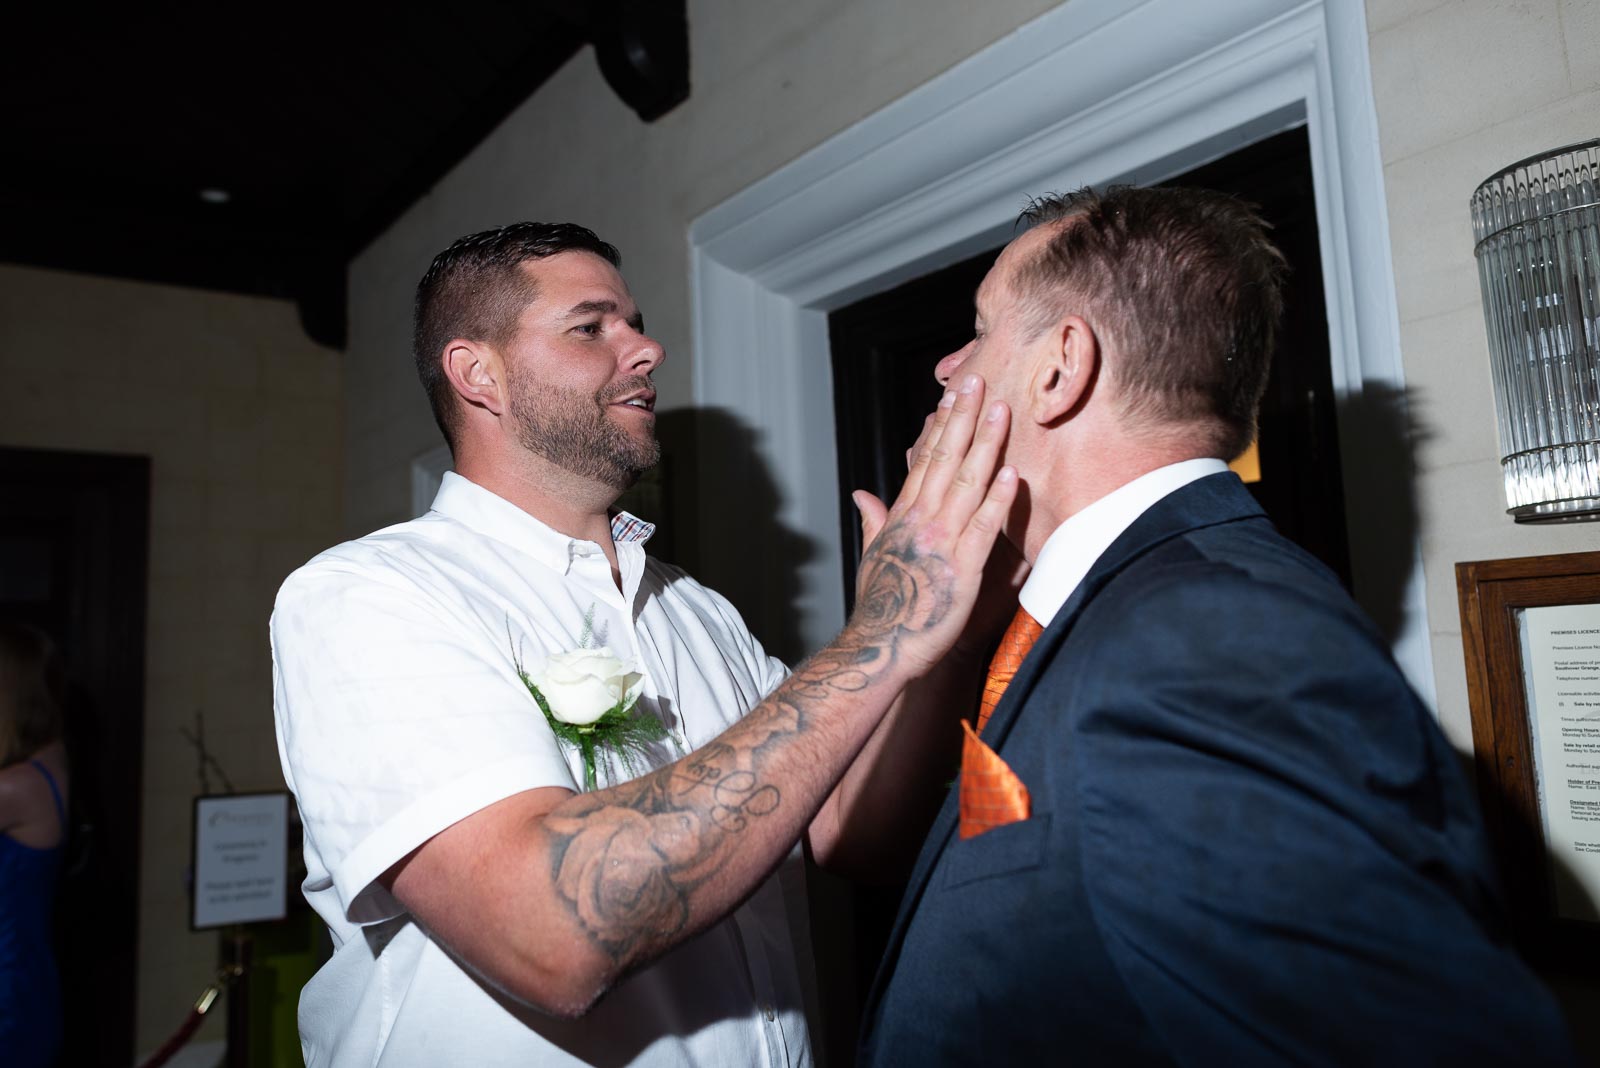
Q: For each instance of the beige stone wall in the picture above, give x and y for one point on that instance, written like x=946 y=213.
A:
x=770 y=80
x=1463 y=88
x=239 y=414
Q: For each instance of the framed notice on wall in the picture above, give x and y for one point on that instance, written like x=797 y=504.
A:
x=241 y=859
x=1531 y=630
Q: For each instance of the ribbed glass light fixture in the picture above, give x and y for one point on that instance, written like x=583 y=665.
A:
x=1537 y=226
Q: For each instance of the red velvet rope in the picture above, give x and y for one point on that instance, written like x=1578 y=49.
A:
x=191 y=1022
x=179 y=1039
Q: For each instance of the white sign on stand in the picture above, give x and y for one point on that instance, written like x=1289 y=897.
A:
x=241 y=859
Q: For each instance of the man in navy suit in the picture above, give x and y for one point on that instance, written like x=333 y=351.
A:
x=1245 y=841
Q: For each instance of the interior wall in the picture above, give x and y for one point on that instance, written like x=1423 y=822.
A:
x=769 y=82
x=1464 y=88
x=239 y=414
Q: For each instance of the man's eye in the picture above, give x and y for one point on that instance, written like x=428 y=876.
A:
x=589 y=329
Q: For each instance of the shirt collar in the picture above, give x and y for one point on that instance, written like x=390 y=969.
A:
x=1074 y=546
x=488 y=513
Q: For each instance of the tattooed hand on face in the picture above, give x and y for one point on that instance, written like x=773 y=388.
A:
x=621 y=875
x=631 y=861
x=923 y=562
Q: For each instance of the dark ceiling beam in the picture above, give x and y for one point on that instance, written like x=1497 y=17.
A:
x=201 y=248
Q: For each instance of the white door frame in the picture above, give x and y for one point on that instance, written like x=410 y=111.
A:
x=1091 y=92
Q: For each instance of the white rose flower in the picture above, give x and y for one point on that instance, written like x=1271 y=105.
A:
x=585 y=684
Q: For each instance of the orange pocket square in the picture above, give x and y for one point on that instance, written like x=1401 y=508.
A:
x=991 y=794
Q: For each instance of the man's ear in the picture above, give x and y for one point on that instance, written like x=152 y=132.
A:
x=1064 y=379
x=476 y=374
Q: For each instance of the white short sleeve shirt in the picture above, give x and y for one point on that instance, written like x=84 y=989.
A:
x=399 y=712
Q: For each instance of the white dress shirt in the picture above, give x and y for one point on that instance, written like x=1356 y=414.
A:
x=1074 y=546
x=399 y=712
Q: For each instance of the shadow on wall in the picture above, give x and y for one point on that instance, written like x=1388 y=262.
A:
x=724 y=529
x=1380 y=431
x=1383 y=429
x=1560 y=951
x=722 y=504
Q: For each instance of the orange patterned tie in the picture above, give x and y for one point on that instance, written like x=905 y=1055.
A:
x=1014 y=645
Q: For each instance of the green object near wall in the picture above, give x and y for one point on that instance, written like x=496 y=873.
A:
x=286 y=954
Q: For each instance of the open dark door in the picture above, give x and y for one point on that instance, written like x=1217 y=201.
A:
x=885 y=348
x=74 y=537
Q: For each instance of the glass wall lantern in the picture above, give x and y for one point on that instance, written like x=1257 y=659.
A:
x=1537 y=227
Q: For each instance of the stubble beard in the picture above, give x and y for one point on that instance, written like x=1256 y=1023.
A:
x=575 y=431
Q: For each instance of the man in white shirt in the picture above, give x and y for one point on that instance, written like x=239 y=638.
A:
x=484 y=911
x=1207 y=822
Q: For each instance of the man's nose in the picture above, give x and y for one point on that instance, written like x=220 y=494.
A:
x=644 y=355
x=947 y=367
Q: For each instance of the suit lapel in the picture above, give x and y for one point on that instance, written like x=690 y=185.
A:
x=1206 y=502
x=1215 y=499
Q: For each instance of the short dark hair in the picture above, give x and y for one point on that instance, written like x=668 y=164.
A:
x=32 y=692
x=1184 y=285
x=475 y=289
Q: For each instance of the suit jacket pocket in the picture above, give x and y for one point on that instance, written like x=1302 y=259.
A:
x=1012 y=848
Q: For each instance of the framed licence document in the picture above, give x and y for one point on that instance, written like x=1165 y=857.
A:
x=1531 y=631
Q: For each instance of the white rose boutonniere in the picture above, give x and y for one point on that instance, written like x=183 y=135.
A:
x=589 y=697
x=585 y=684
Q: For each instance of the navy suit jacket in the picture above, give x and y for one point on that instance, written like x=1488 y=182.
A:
x=1249 y=844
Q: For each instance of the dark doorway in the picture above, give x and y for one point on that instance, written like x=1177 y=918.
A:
x=1300 y=486
x=885 y=348
x=74 y=531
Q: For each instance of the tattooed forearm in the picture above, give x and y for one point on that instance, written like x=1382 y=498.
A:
x=628 y=861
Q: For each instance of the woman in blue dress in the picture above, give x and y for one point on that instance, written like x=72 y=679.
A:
x=33 y=829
